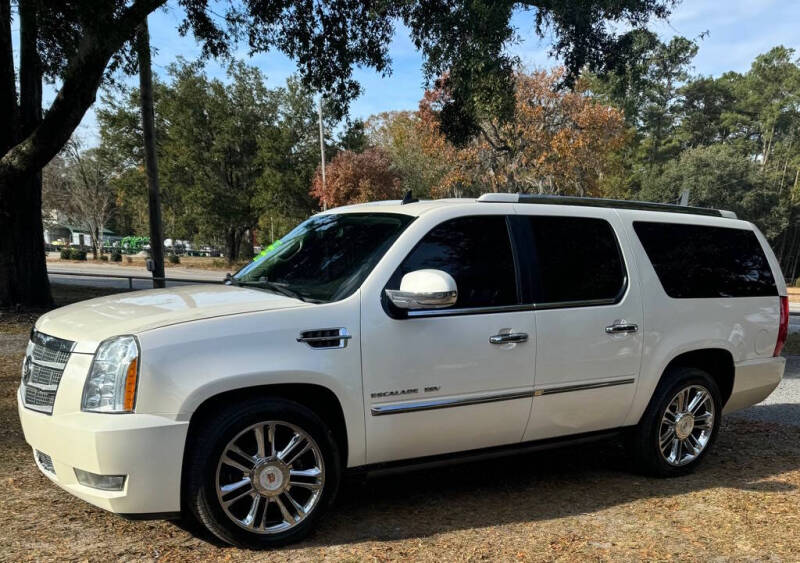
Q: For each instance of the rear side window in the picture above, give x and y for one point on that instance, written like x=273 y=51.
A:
x=701 y=261
x=575 y=259
x=476 y=251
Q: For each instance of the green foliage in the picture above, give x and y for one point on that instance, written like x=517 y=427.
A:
x=116 y=256
x=103 y=257
x=174 y=259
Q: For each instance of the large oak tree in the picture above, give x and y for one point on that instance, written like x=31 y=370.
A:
x=78 y=42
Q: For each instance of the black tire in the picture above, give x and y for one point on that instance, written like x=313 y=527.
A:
x=645 y=438
x=206 y=446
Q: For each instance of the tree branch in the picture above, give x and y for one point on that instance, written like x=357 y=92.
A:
x=81 y=81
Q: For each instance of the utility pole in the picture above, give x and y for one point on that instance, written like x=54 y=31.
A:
x=322 y=152
x=150 y=159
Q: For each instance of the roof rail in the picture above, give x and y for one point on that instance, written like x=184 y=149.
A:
x=600 y=202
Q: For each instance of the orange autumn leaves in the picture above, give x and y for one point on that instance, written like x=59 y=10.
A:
x=558 y=142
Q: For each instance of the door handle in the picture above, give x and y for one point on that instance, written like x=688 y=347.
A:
x=622 y=327
x=509 y=337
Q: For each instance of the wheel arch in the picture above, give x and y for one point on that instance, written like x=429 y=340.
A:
x=717 y=362
x=319 y=399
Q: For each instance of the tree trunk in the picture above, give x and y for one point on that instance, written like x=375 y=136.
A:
x=150 y=158
x=231 y=245
x=25 y=148
x=23 y=269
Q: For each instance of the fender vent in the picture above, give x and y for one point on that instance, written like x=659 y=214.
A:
x=325 y=338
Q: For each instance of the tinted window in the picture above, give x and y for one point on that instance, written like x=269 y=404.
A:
x=575 y=259
x=476 y=251
x=700 y=261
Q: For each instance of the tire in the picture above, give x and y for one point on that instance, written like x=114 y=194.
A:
x=664 y=422
x=249 y=498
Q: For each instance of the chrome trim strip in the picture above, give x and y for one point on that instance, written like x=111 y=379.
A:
x=444 y=403
x=470 y=311
x=341 y=338
x=583 y=387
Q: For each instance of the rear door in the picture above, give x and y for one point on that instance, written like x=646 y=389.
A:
x=588 y=320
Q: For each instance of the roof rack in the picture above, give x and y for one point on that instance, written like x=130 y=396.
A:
x=607 y=203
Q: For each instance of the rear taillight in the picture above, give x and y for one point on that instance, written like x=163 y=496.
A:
x=783 y=329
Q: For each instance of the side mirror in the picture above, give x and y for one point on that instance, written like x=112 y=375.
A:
x=424 y=289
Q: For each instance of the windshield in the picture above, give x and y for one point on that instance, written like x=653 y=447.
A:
x=326 y=257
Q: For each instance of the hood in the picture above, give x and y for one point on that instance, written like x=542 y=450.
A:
x=129 y=313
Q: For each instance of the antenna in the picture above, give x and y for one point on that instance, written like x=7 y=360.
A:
x=408 y=198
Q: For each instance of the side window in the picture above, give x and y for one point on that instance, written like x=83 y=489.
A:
x=476 y=251
x=701 y=261
x=575 y=259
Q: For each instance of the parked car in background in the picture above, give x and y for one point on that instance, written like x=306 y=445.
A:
x=394 y=333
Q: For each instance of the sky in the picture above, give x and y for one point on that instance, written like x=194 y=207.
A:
x=738 y=31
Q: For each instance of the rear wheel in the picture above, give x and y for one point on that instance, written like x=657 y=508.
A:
x=680 y=423
x=261 y=474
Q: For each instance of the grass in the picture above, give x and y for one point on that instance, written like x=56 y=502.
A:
x=574 y=504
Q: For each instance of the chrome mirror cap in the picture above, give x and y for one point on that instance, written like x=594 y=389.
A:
x=424 y=289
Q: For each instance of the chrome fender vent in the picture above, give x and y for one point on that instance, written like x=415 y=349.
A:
x=322 y=338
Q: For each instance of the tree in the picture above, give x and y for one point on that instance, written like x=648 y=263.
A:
x=558 y=142
x=78 y=188
x=78 y=43
x=357 y=178
x=403 y=136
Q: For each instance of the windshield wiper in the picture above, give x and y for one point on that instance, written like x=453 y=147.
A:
x=273 y=287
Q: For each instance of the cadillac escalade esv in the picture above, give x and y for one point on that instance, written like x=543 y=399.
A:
x=394 y=332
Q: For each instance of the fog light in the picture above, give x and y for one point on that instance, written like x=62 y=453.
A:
x=104 y=482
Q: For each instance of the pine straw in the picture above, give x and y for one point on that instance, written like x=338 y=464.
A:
x=583 y=503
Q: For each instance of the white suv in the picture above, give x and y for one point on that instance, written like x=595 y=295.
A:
x=394 y=333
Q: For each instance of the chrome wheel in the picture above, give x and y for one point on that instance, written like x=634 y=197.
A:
x=687 y=425
x=270 y=477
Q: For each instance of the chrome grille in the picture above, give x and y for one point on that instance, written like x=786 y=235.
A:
x=45 y=462
x=44 y=376
x=42 y=354
x=45 y=360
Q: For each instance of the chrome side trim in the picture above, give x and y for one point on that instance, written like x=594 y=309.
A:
x=444 y=403
x=470 y=311
x=336 y=339
x=583 y=387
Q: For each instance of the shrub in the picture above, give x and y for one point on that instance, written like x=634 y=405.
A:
x=174 y=259
x=78 y=254
x=116 y=256
x=104 y=257
x=66 y=253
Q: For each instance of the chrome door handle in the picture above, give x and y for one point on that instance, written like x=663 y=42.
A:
x=509 y=337
x=622 y=327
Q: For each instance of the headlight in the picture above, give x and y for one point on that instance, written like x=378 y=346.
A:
x=111 y=383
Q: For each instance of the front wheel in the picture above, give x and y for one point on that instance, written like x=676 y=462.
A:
x=260 y=474
x=680 y=423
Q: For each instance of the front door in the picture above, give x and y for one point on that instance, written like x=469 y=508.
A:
x=433 y=381
x=588 y=323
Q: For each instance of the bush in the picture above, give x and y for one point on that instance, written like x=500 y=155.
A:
x=66 y=253
x=174 y=259
x=78 y=254
x=104 y=257
x=116 y=256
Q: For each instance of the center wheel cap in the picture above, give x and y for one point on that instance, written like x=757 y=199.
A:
x=270 y=478
x=684 y=426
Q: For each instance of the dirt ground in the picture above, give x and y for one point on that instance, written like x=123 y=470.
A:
x=581 y=503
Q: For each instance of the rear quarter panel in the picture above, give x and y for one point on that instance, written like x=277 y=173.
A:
x=747 y=327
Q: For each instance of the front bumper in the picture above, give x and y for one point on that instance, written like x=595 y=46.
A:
x=148 y=449
x=753 y=381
